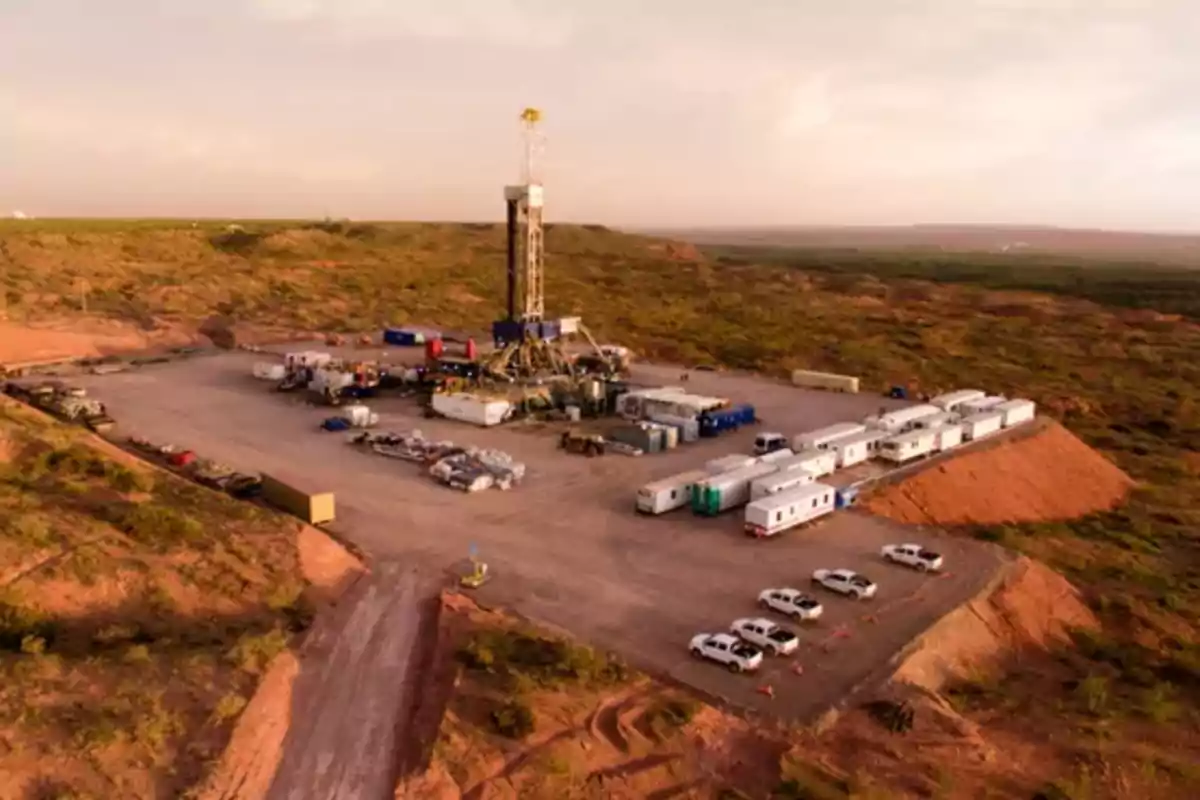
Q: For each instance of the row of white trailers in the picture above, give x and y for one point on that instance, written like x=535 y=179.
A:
x=780 y=489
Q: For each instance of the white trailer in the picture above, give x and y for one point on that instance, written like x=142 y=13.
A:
x=825 y=380
x=779 y=482
x=775 y=456
x=905 y=447
x=952 y=400
x=985 y=423
x=934 y=421
x=729 y=463
x=668 y=494
x=1016 y=411
x=851 y=450
x=982 y=404
x=719 y=493
x=817 y=462
x=948 y=437
x=270 y=371
x=821 y=438
x=870 y=440
x=902 y=419
x=778 y=512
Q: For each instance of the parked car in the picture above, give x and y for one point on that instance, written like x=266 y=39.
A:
x=796 y=604
x=768 y=443
x=913 y=555
x=844 y=581
x=765 y=634
x=727 y=649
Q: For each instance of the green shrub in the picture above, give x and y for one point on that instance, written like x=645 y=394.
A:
x=156 y=525
x=513 y=719
x=544 y=661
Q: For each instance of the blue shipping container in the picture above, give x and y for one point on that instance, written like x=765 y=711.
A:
x=720 y=420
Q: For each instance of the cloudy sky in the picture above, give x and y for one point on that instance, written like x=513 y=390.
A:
x=657 y=112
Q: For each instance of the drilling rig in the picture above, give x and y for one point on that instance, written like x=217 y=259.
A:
x=527 y=345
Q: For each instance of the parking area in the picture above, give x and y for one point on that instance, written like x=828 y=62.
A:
x=565 y=547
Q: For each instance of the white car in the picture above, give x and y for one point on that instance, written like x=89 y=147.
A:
x=765 y=634
x=844 y=581
x=793 y=602
x=768 y=443
x=727 y=649
x=913 y=555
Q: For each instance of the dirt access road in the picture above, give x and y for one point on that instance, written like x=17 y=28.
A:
x=566 y=547
x=359 y=675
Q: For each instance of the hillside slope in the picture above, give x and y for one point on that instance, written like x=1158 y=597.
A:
x=137 y=613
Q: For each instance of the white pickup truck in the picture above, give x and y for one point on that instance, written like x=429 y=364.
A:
x=765 y=634
x=844 y=581
x=727 y=649
x=912 y=555
x=793 y=602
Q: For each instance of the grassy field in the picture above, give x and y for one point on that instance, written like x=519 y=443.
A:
x=1112 y=350
x=137 y=612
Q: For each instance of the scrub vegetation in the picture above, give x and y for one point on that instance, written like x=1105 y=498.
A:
x=1110 y=349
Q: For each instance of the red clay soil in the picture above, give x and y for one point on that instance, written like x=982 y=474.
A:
x=1050 y=475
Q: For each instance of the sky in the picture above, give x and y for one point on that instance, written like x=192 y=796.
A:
x=657 y=113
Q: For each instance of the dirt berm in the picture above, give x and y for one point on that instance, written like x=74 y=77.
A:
x=1031 y=608
x=1049 y=475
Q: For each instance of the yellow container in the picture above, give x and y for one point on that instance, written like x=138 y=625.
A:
x=315 y=508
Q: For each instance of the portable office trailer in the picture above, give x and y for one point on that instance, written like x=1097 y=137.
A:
x=1016 y=411
x=869 y=439
x=473 y=409
x=719 y=493
x=290 y=494
x=952 y=400
x=818 y=462
x=822 y=437
x=933 y=421
x=668 y=494
x=981 y=404
x=779 y=512
x=897 y=421
x=778 y=482
x=985 y=423
x=948 y=437
x=905 y=447
x=849 y=451
x=729 y=463
x=775 y=456
x=824 y=380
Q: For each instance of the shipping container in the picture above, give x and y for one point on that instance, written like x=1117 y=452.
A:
x=289 y=494
x=778 y=482
x=718 y=493
x=775 y=456
x=952 y=400
x=948 y=437
x=1016 y=411
x=821 y=437
x=985 y=423
x=900 y=420
x=981 y=404
x=483 y=411
x=670 y=434
x=403 y=337
x=668 y=494
x=729 y=463
x=933 y=421
x=717 y=421
x=905 y=447
x=779 y=512
x=689 y=428
x=825 y=380
x=648 y=440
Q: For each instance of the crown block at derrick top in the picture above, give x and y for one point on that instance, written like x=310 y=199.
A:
x=298 y=496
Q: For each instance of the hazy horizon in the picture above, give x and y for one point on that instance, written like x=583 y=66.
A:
x=1058 y=113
